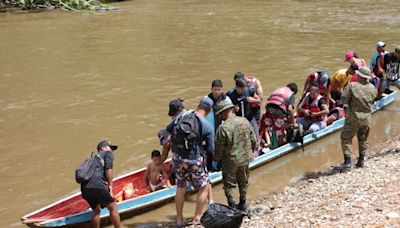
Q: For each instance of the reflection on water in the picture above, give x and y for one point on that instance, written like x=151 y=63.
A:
x=69 y=80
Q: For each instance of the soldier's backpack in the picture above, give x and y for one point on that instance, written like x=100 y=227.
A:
x=85 y=170
x=186 y=132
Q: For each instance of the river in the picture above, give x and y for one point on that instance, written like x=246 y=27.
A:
x=69 y=80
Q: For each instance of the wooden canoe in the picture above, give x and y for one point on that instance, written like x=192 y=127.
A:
x=73 y=210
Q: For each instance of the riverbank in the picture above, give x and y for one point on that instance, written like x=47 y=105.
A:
x=362 y=197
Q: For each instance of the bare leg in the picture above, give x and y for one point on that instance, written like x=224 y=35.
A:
x=114 y=215
x=201 y=199
x=210 y=194
x=179 y=200
x=96 y=217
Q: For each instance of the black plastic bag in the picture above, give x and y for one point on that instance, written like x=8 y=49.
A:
x=220 y=216
x=295 y=135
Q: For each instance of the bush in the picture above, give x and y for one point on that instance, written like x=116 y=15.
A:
x=70 y=5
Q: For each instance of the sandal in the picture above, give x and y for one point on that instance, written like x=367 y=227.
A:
x=181 y=224
x=194 y=223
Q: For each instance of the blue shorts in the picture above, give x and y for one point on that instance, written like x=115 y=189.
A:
x=386 y=83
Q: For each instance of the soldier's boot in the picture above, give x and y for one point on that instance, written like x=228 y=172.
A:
x=232 y=203
x=242 y=205
x=360 y=162
x=346 y=165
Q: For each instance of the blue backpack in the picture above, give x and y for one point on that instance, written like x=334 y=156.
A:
x=85 y=170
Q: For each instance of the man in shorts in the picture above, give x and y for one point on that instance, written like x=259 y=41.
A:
x=189 y=164
x=98 y=190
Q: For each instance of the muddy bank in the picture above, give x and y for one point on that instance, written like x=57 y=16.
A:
x=362 y=197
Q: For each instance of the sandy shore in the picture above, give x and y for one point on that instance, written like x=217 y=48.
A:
x=362 y=197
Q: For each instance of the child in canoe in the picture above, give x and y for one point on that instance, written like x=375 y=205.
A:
x=156 y=176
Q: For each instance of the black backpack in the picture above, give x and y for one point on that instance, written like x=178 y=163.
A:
x=295 y=135
x=186 y=132
x=221 y=216
x=85 y=170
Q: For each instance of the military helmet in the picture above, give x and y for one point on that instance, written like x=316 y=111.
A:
x=224 y=105
x=364 y=72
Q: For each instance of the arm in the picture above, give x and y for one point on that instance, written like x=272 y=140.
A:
x=267 y=140
x=253 y=99
x=146 y=176
x=306 y=84
x=210 y=138
x=379 y=64
x=363 y=62
x=291 y=115
x=324 y=111
x=328 y=97
x=166 y=177
x=108 y=166
x=220 y=145
x=109 y=177
x=165 y=151
x=304 y=111
x=260 y=91
x=167 y=146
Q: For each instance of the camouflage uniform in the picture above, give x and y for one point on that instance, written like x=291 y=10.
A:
x=235 y=143
x=359 y=96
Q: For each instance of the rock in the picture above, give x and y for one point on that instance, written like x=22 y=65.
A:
x=392 y=215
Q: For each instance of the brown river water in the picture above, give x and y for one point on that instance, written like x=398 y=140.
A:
x=68 y=80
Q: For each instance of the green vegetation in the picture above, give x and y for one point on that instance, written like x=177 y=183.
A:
x=70 y=5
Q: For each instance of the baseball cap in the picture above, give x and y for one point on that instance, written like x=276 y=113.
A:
x=104 y=143
x=164 y=136
x=207 y=101
x=380 y=44
x=324 y=77
x=174 y=106
x=348 y=55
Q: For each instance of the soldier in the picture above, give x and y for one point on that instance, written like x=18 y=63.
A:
x=235 y=144
x=358 y=97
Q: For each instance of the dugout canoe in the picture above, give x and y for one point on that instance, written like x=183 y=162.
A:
x=73 y=210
